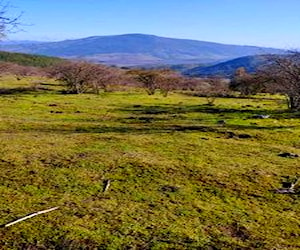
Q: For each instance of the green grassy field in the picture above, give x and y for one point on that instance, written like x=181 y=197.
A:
x=179 y=178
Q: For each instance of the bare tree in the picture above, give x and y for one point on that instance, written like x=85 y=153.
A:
x=103 y=77
x=147 y=78
x=246 y=84
x=8 y=24
x=168 y=80
x=212 y=88
x=218 y=87
x=282 y=75
x=75 y=75
x=164 y=80
x=20 y=71
x=80 y=77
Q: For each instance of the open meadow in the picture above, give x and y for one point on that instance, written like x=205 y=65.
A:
x=183 y=174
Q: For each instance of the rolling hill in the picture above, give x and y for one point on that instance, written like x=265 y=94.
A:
x=138 y=49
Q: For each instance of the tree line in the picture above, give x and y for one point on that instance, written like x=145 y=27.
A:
x=281 y=74
x=82 y=77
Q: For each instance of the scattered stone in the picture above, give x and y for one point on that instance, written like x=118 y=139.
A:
x=221 y=122
x=82 y=155
x=168 y=188
x=244 y=136
x=288 y=155
x=146 y=119
x=230 y=134
x=285 y=191
x=289 y=186
x=261 y=116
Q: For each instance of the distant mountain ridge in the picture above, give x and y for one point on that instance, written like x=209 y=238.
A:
x=228 y=68
x=138 y=49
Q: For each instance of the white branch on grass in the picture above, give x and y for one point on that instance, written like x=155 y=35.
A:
x=107 y=184
x=30 y=216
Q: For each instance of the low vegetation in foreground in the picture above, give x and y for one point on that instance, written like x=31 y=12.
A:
x=182 y=174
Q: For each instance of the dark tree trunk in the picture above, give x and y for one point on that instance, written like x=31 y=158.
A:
x=294 y=102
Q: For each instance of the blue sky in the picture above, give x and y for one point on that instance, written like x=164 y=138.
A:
x=272 y=23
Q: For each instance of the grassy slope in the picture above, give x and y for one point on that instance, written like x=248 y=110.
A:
x=178 y=180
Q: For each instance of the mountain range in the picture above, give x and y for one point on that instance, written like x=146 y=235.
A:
x=138 y=50
x=228 y=68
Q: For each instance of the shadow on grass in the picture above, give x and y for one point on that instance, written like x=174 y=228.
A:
x=167 y=119
x=23 y=90
x=208 y=109
x=233 y=96
x=150 y=129
x=52 y=84
x=123 y=129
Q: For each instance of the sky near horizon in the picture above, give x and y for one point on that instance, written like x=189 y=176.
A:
x=270 y=23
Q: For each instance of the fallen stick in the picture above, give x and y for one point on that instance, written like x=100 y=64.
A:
x=30 y=216
x=285 y=191
x=107 y=184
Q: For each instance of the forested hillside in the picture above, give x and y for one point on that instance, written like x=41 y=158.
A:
x=28 y=60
